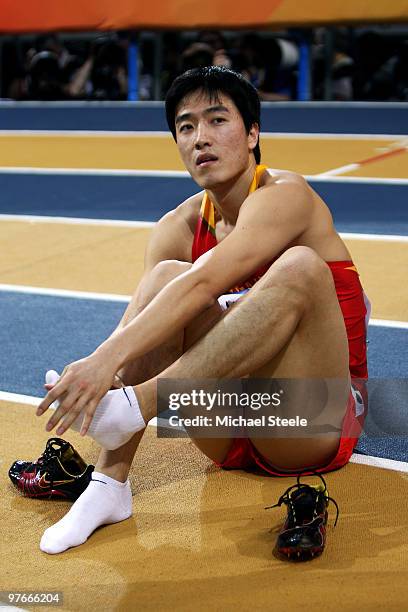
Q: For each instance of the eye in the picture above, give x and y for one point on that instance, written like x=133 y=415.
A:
x=184 y=127
x=218 y=120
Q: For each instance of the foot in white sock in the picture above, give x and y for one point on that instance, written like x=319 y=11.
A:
x=104 y=501
x=117 y=416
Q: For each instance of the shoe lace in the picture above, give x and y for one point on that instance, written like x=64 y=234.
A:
x=45 y=459
x=286 y=497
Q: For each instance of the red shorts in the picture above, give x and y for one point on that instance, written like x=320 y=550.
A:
x=244 y=456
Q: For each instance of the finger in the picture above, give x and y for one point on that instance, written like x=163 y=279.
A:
x=86 y=404
x=88 y=416
x=51 y=397
x=51 y=379
x=44 y=405
x=66 y=405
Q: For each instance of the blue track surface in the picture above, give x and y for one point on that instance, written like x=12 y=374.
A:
x=349 y=119
x=43 y=332
x=356 y=207
x=40 y=333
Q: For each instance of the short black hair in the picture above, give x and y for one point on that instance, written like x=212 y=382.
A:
x=213 y=80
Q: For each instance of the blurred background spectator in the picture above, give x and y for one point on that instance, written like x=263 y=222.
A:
x=374 y=67
x=346 y=64
x=106 y=68
x=48 y=71
x=401 y=73
x=197 y=55
x=337 y=61
x=44 y=70
x=269 y=64
x=45 y=79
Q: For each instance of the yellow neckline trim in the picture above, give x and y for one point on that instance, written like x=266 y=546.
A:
x=207 y=210
x=259 y=170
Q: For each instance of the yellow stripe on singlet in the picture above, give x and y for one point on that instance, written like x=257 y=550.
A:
x=207 y=210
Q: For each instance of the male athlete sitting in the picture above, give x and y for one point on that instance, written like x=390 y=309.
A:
x=302 y=318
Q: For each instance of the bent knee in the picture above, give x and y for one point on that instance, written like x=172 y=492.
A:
x=168 y=269
x=302 y=268
x=160 y=275
x=304 y=260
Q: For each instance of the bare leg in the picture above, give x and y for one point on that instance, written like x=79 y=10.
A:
x=294 y=309
x=108 y=494
x=116 y=464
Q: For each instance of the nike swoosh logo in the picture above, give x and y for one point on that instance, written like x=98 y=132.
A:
x=44 y=483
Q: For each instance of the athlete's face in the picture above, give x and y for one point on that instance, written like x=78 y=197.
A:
x=212 y=139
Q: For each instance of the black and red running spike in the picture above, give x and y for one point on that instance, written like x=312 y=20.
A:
x=303 y=536
x=59 y=473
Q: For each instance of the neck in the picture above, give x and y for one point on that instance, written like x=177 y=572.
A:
x=229 y=197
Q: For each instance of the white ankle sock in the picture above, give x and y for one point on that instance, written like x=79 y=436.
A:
x=103 y=502
x=116 y=419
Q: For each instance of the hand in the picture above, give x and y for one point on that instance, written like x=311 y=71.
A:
x=80 y=388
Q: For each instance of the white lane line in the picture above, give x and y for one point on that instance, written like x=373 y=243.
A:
x=92 y=105
x=323 y=178
x=149 y=224
x=17 y=398
x=77 y=221
x=331 y=136
x=90 y=133
x=380 y=462
x=340 y=170
x=116 y=297
x=94 y=172
x=82 y=295
x=166 y=134
x=388 y=323
x=374 y=237
x=397 y=147
x=388 y=464
x=329 y=177
x=30 y=400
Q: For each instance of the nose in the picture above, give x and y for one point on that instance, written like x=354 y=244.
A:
x=202 y=138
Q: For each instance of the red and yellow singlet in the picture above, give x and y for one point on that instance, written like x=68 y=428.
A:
x=346 y=279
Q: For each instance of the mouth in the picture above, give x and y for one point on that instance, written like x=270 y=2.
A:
x=206 y=159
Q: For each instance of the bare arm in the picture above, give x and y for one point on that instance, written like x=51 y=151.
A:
x=90 y=378
x=171 y=239
x=77 y=86
x=270 y=219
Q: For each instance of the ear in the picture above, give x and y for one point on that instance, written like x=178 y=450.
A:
x=253 y=136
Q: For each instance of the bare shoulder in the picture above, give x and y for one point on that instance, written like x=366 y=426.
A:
x=296 y=189
x=283 y=191
x=184 y=216
x=173 y=235
x=294 y=180
x=189 y=210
